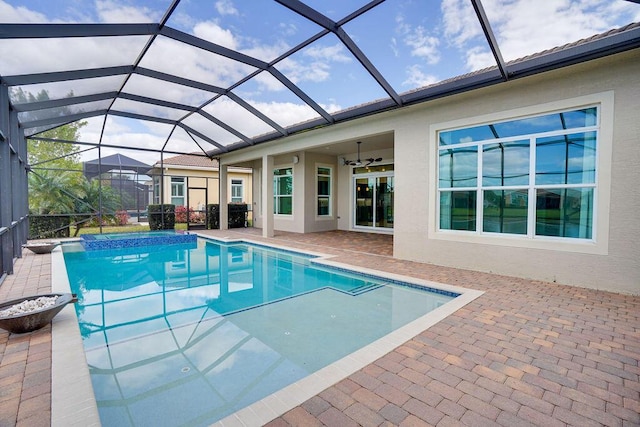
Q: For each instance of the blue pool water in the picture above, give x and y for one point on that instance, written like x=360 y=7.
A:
x=185 y=335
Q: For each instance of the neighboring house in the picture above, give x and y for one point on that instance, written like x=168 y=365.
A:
x=532 y=177
x=193 y=180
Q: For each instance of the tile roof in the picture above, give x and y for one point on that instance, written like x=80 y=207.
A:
x=197 y=160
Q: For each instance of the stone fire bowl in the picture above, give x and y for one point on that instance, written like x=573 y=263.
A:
x=27 y=322
x=41 y=247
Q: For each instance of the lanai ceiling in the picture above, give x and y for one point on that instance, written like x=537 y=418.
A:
x=216 y=76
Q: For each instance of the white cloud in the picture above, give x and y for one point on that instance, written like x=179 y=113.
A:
x=460 y=22
x=287 y=29
x=417 y=78
x=265 y=53
x=20 y=14
x=524 y=27
x=25 y=56
x=394 y=47
x=172 y=57
x=214 y=33
x=423 y=45
x=110 y=11
x=285 y=113
x=479 y=58
x=334 y=53
x=132 y=133
x=417 y=39
x=314 y=65
x=226 y=7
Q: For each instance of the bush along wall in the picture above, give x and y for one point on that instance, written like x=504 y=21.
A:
x=156 y=214
x=44 y=227
x=237 y=215
x=213 y=216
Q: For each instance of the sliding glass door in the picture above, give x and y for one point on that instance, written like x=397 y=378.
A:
x=373 y=197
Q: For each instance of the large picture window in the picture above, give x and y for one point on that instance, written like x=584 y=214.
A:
x=324 y=191
x=283 y=191
x=532 y=177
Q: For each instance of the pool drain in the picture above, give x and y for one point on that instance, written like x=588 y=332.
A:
x=185 y=369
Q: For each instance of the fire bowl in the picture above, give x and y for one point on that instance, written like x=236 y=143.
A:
x=27 y=322
x=41 y=247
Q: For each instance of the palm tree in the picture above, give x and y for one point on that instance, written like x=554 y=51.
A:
x=90 y=195
x=49 y=192
x=53 y=192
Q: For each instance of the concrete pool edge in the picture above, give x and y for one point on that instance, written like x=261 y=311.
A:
x=73 y=402
x=72 y=397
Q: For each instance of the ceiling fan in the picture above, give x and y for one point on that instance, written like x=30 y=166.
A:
x=364 y=162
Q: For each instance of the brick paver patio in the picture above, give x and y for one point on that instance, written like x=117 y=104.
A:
x=524 y=353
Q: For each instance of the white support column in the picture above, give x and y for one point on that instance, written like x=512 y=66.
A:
x=267 y=196
x=224 y=199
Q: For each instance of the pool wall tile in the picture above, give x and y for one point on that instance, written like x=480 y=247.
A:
x=90 y=242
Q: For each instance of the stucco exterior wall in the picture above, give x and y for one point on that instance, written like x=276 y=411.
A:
x=314 y=223
x=206 y=179
x=613 y=262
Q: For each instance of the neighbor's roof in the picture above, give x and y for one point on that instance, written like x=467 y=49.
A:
x=115 y=162
x=189 y=160
x=182 y=76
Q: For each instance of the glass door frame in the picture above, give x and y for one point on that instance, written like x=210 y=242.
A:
x=354 y=198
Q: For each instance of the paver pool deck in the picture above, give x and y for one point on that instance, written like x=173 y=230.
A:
x=526 y=352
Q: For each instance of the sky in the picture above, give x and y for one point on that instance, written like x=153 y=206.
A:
x=413 y=43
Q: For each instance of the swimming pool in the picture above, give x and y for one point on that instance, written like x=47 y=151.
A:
x=171 y=340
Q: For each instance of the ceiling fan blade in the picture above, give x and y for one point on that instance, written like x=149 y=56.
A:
x=372 y=160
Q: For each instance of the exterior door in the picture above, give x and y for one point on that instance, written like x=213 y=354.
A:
x=373 y=197
x=197 y=216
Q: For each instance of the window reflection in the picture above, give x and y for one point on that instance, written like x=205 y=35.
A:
x=458 y=167
x=566 y=159
x=565 y=212
x=530 y=125
x=505 y=211
x=505 y=164
x=283 y=191
x=458 y=210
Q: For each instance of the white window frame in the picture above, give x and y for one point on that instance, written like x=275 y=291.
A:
x=156 y=190
x=328 y=197
x=237 y=183
x=600 y=236
x=276 y=196
x=183 y=184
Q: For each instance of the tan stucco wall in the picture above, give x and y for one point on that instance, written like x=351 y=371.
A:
x=209 y=180
x=612 y=262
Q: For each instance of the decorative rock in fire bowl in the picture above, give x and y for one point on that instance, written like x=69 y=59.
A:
x=41 y=247
x=27 y=314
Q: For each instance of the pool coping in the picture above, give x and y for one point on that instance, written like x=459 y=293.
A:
x=73 y=401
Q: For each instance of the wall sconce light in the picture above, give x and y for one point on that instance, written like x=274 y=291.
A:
x=296 y=159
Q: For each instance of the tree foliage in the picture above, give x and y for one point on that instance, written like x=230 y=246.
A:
x=50 y=192
x=49 y=154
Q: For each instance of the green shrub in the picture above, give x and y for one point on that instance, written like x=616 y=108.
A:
x=46 y=227
x=237 y=215
x=162 y=217
x=213 y=216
